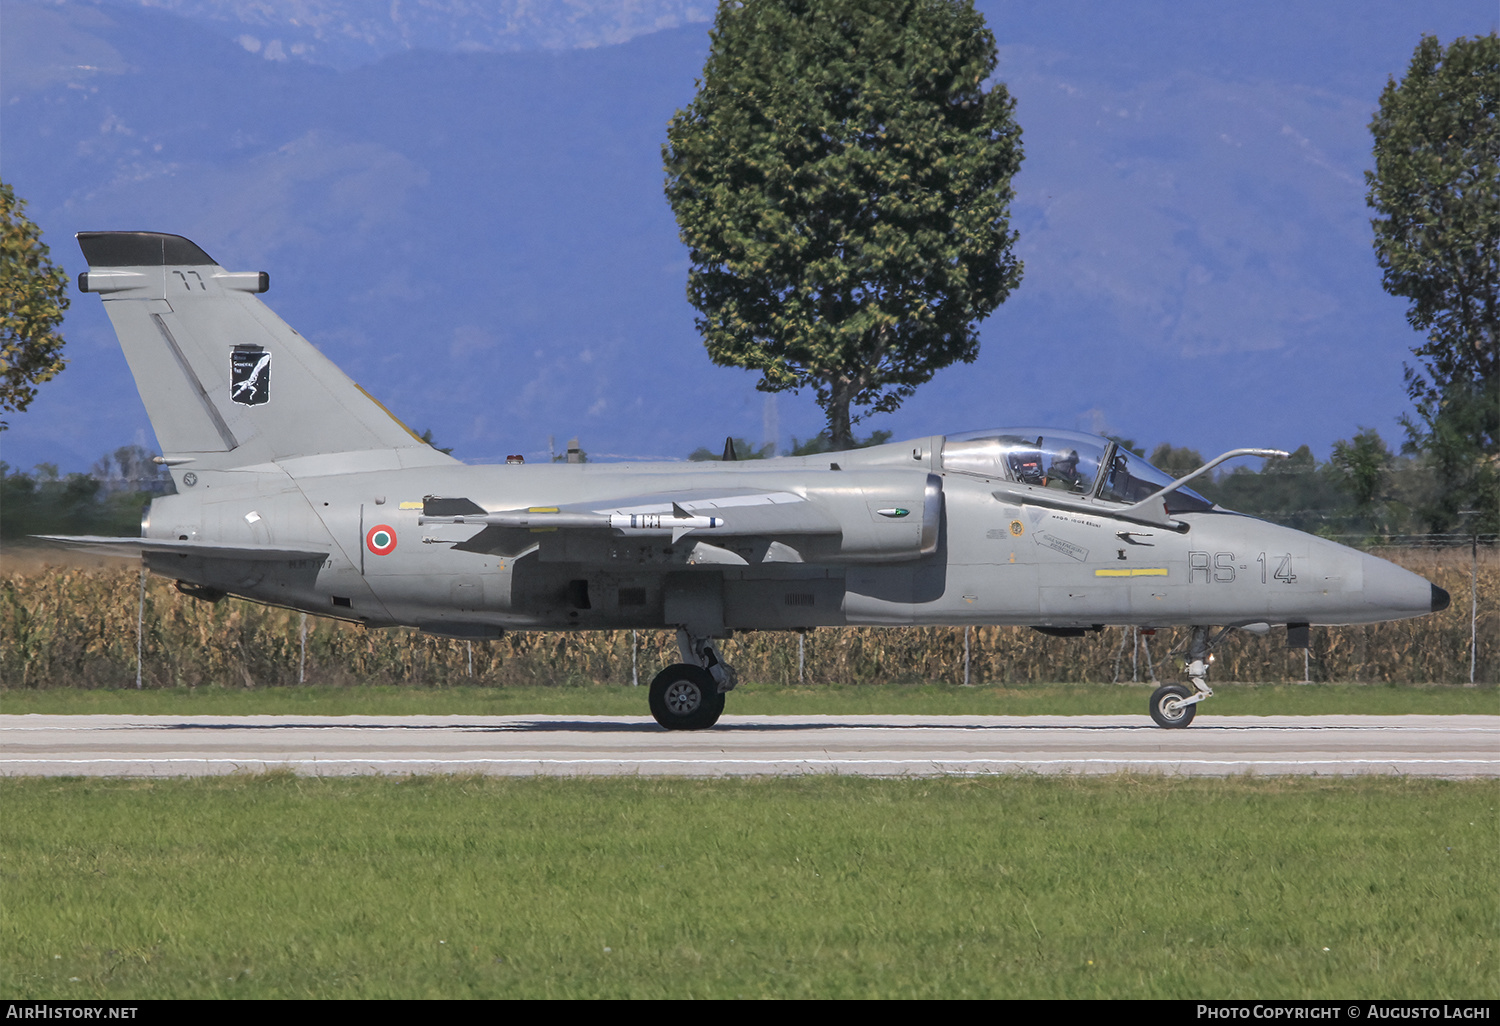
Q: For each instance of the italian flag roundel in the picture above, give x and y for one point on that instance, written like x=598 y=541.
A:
x=381 y=540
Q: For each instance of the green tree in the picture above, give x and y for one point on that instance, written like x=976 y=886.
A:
x=1359 y=465
x=1455 y=433
x=33 y=297
x=1363 y=468
x=823 y=442
x=743 y=450
x=1179 y=461
x=131 y=468
x=1436 y=187
x=44 y=502
x=1296 y=492
x=426 y=436
x=108 y=501
x=842 y=179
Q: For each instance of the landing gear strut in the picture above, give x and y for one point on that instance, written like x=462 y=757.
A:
x=690 y=695
x=1173 y=705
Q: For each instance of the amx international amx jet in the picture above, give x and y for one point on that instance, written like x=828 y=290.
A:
x=297 y=488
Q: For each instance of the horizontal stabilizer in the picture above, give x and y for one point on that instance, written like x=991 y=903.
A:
x=134 y=547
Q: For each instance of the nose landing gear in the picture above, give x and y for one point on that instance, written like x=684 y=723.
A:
x=1174 y=705
x=1170 y=706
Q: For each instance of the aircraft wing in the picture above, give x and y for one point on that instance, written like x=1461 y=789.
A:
x=880 y=516
x=131 y=547
x=711 y=513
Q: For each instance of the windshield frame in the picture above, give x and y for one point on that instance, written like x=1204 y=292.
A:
x=1156 y=481
x=967 y=453
x=1062 y=461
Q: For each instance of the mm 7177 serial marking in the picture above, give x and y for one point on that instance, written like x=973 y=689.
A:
x=295 y=487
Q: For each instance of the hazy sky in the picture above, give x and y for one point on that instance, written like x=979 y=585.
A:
x=462 y=205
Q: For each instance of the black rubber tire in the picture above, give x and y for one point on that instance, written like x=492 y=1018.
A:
x=685 y=697
x=1184 y=714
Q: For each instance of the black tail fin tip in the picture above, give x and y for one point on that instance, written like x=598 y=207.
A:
x=140 y=249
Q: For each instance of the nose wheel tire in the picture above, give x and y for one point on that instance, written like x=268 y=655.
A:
x=685 y=697
x=1167 y=708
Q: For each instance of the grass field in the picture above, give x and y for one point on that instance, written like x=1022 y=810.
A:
x=279 y=886
x=1025 y=887
x=753 y=698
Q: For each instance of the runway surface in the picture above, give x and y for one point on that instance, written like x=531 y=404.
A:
x=165 y=746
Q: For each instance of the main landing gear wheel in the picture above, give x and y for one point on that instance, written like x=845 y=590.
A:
x=1167 y=708
x=685 y=697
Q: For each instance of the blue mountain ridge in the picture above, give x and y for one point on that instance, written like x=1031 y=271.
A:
x=481 y=238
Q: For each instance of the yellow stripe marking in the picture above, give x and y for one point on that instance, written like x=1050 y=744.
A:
x=388 y=413
x=542 y=509
x=1145 y=571
x=411 y=505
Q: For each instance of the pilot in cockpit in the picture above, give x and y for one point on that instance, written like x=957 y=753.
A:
x=1064 y=472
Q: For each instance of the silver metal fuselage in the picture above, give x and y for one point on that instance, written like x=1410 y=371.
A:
x=1004 y=554
x=298 y=488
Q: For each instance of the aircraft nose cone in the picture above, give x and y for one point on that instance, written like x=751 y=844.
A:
x=1440 y=599
x=1398 y=593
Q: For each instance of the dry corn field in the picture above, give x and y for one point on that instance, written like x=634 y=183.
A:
x=75 y=626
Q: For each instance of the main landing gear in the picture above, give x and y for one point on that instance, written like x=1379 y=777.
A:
x=1174 y=705
x=690 y=695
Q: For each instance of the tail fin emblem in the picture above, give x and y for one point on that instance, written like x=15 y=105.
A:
x=249 y=375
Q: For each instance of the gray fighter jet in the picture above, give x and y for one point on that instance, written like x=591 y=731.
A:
x=297 y=488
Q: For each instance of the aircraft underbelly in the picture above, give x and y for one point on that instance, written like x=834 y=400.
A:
x=784 y=604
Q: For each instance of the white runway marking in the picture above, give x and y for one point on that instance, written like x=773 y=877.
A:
x=1442 y=746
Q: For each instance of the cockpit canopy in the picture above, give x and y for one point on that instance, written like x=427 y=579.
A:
x=1082 y=466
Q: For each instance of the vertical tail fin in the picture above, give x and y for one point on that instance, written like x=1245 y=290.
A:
x=225 y=381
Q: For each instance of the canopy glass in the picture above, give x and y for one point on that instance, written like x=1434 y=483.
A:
x=1081 y=465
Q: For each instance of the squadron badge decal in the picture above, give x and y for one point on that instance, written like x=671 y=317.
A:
x=249 y=375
